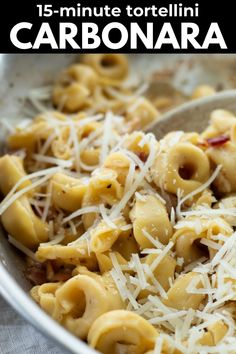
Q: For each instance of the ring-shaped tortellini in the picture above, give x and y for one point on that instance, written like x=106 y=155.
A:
x=124 y=327
x=106 y=102
x=221 y=122
x=119 y=163
x=150 y=215
x=203 y=91
x=103 y=236
x=164 y=271
x=178 y=295
x=84 y=298
x=38 y=130
x=111 y=66
x=71 y=98
x=12 y=171
x=226 y=157
x=77 y=254
x=103 y=188
x=67 y=192
x=215 y=332
x=133 y=143
x=140 y=114
x=20 y=221
x=105 y=263
x=188 y=246
x=228 y=203
x=183 y=167
x=45 y=296
x=126 y=245
x=74 y=88
x=81 y=73
x=187 y=238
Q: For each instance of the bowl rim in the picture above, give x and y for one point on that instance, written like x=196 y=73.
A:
x=32 y=313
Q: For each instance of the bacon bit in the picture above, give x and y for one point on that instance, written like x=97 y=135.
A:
x=203 y=144
x=63 y=275
x=36 y=273
x=142 y=156
x=49 y=271
x=218 y=140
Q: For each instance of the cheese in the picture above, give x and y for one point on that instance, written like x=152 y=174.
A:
x=154 y=241
x=21 y=247
x=52 y=160
x=47 y=144
x=138 y=102
x=36 y=96
x=169 y=316
x=76 y=147
x=137 y=265
x=227 y=246
x=132 y=157
x=107 y=129
x=197 y=191
x=12 y=196
x=155 y=282
x=47 y=203
x=85 y=210
x=161 y=256
x=55 y=241
x=187 y=323
x=105 y=217
x=210 y=244
x=158 y=345
x=150 y=160
x=130 y=176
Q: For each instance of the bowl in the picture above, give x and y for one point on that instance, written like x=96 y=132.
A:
x=19 y=74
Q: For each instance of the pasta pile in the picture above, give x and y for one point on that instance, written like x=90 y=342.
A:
x=97 y=84
x=130 y=242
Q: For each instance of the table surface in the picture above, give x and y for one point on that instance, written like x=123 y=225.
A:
x=19 y=337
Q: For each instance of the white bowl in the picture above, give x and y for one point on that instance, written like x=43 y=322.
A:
x=20 y=73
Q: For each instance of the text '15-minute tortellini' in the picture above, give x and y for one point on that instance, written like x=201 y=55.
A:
x=130 y=242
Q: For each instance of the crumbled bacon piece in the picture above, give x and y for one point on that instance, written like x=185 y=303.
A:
x=63 y=275
x=37 y=273
x=218 y=140
x=142 y=156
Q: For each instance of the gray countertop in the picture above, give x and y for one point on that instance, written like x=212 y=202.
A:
x=19 y=337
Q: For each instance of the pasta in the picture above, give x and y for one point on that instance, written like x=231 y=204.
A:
x=130 y=242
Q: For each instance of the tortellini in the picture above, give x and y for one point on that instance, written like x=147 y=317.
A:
x=188 y=239
x=45 y=295
x=84 y=298
x=12 y=171
x=104 y=236
x=215 y=332
x=141 y=114
x=74 y=88
x=69 y=255
x=111 y=66
x=67 y=192
x=226 y=157
x=164 y=271
x=102 y=189
x=150 y=215
x=121 y=327
x=184 y=166
x=20 y=222
x=178 y=295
